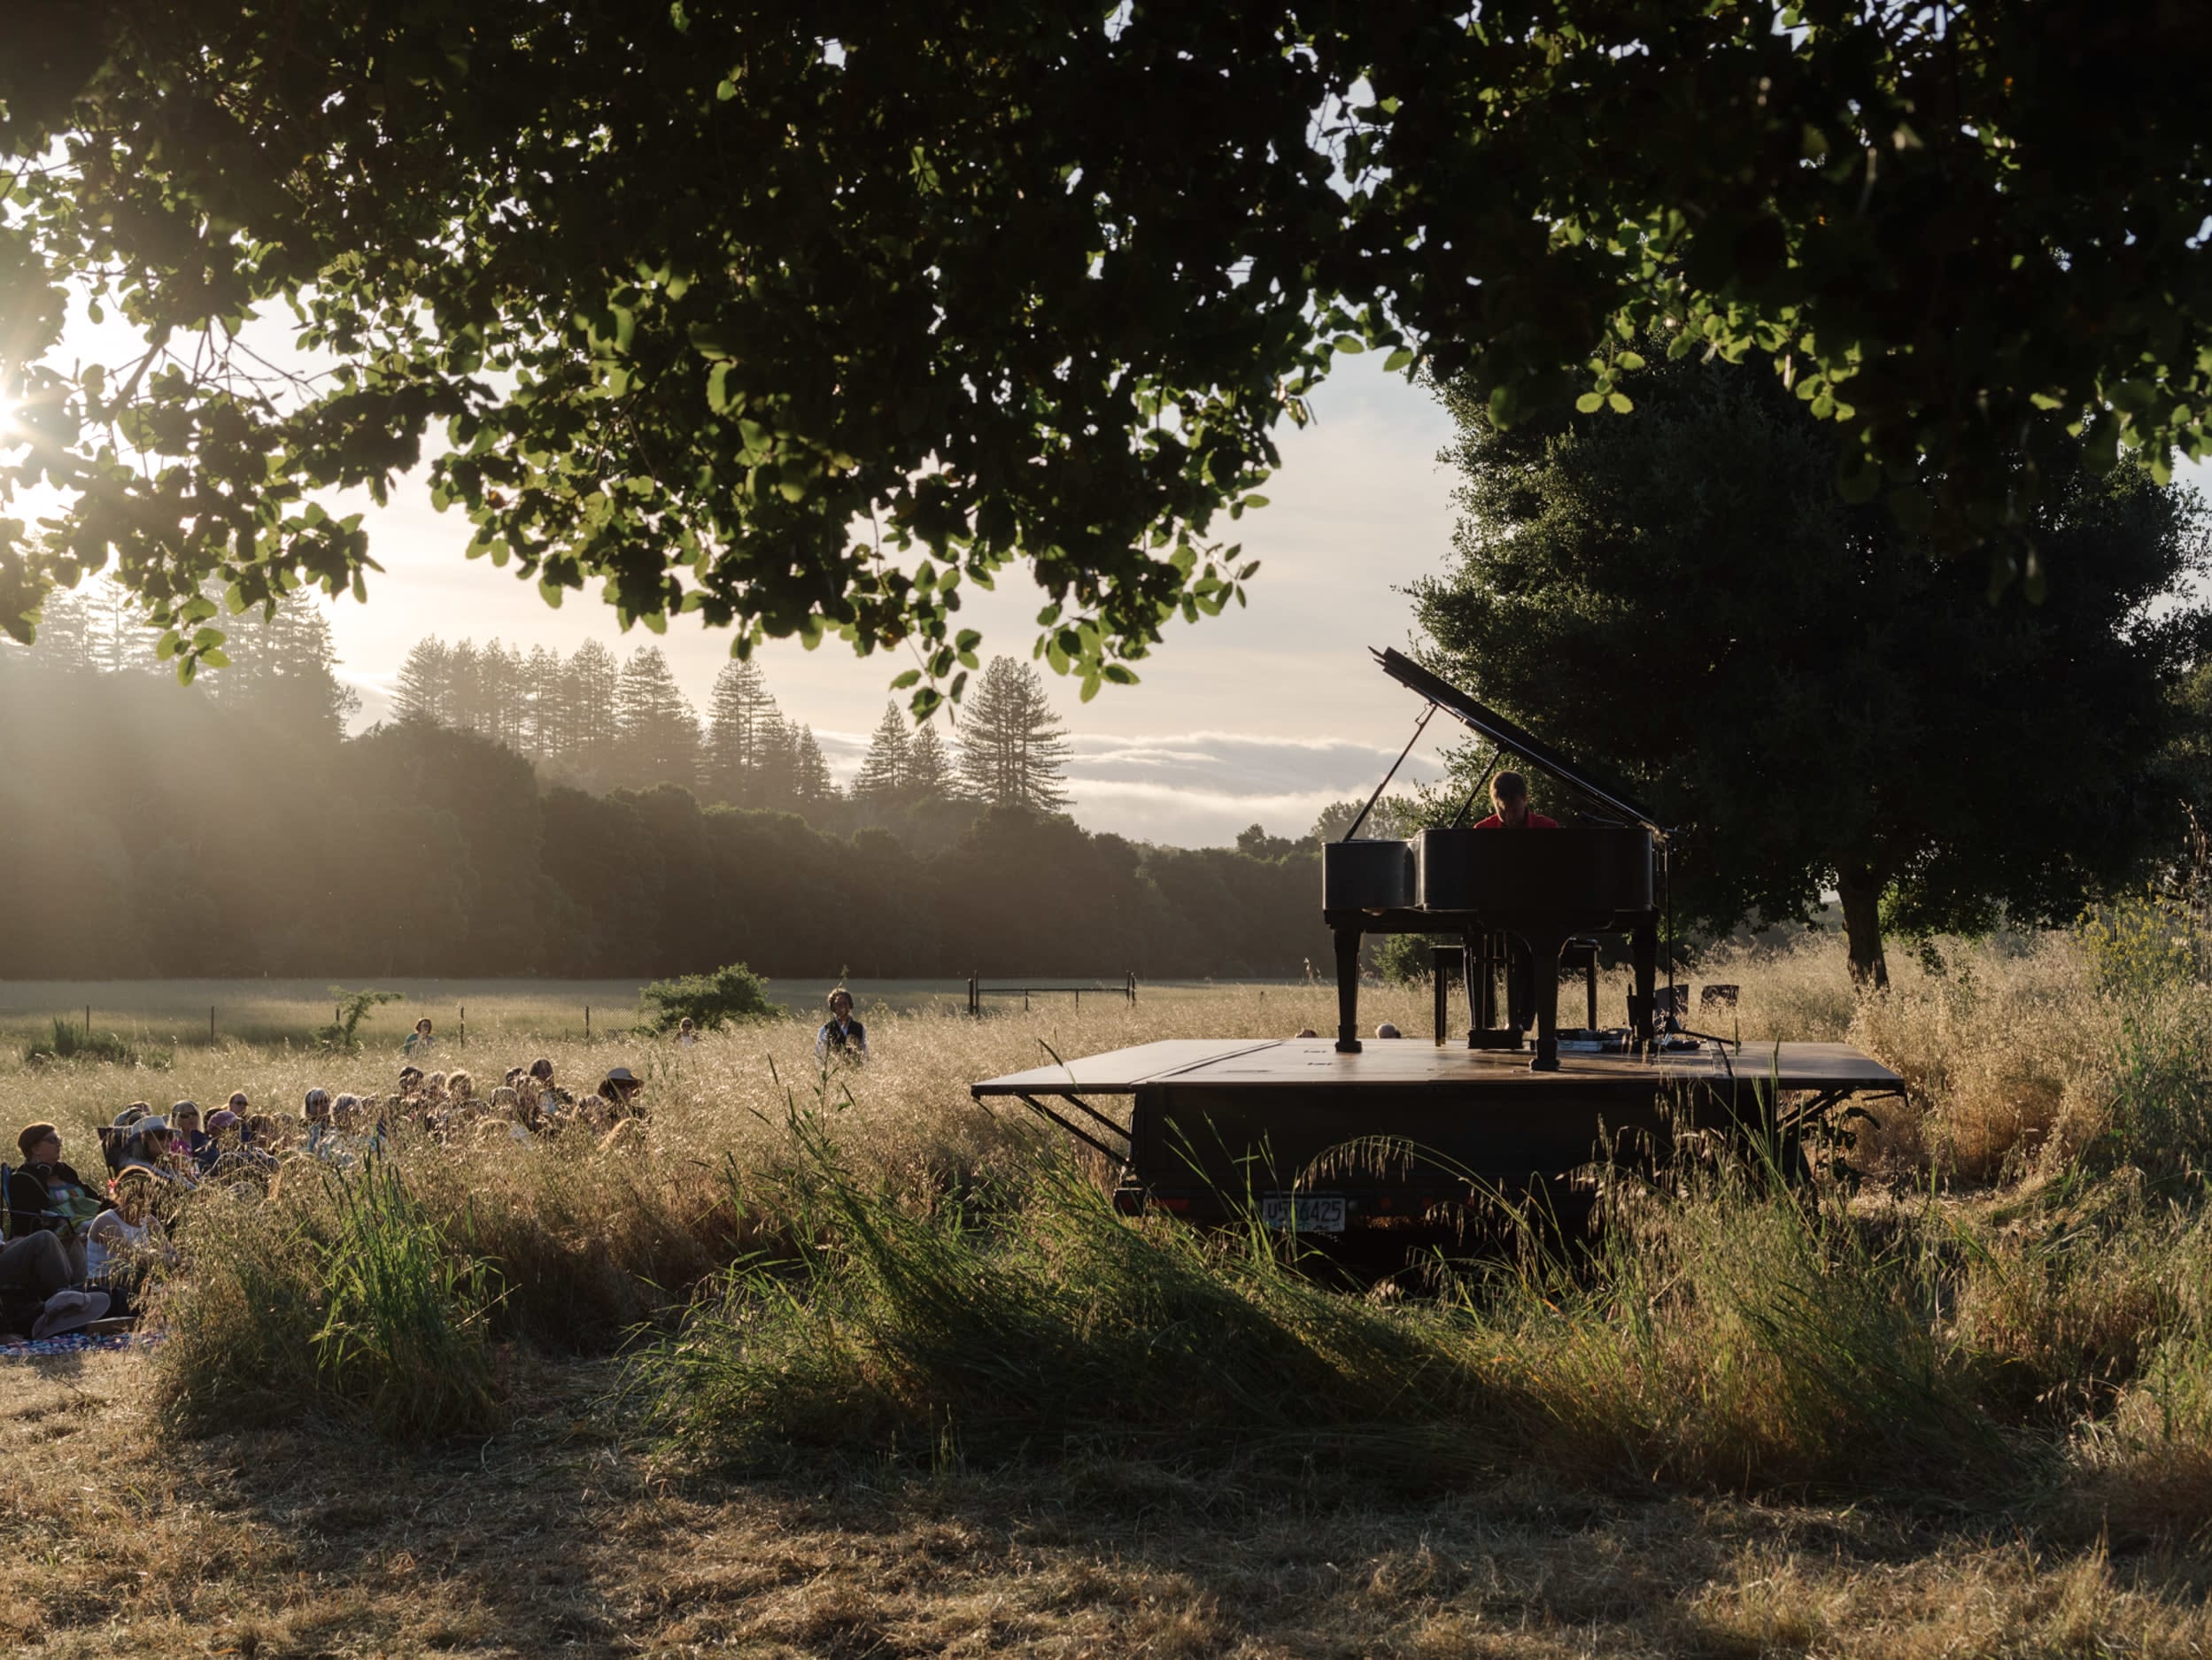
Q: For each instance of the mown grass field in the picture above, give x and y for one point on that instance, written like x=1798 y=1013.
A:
x=946 y=1402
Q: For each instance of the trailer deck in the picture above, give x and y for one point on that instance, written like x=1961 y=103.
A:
x=1402 y=1128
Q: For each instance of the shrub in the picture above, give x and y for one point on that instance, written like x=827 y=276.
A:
x=82 y=1043
x=707 y=1000
x=343 y=1036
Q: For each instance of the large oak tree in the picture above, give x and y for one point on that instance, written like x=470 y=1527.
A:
x=678 y=296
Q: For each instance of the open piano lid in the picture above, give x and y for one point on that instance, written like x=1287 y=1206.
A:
x=1503 y=732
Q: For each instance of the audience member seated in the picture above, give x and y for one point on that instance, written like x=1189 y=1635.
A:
x=32 y=1267
x=418 y=1041
x=315 y=1118
x=1387 y=1030
x=358 y=1129
x=151 y=1148
x=46 y=1195
x=122 y=1243
x=541 y=1094
x=190 y=1140
x=239 y=1104
x=232 y=1153
x=27 y=1311
x=621 y=1090
x=113 y=1136
x=510 y=1115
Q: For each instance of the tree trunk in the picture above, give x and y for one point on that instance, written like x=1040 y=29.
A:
x=1861 y=890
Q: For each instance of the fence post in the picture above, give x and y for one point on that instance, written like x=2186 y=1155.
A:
x=587 y=1022
x=211 y=1025
x=1079 y=999
x=975 y=999
x=462 y=1036
x=88 y=1022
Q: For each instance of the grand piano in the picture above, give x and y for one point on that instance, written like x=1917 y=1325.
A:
x=1397 y=1148
x=1542 y=888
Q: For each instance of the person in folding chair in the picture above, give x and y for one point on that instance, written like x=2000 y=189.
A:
x=1510 y=810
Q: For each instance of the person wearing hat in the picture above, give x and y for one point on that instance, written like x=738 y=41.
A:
x=225 y=1131
x=151 y=1148
x=229 y=1155
x=619 y=1090
x=841 y=1032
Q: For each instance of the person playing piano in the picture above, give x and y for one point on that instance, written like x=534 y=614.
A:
x=1509 y=796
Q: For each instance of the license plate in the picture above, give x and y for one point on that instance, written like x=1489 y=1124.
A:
x=1308 y=1213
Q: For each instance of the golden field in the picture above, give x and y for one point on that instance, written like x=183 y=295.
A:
x=1960 y=1410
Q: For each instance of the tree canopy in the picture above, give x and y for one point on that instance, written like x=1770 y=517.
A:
x=1805 y=686
x=677 y=296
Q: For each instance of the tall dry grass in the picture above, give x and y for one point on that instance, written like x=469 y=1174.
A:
x=2012 y=1304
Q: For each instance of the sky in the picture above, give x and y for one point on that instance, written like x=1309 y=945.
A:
x=1264 y=715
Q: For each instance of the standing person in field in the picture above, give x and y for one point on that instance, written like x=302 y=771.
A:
x=1510 y=810
x=841 y=1032
x=418 y=1041
x=685 y=1035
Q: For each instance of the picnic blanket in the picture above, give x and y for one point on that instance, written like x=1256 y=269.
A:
x=78 y=1343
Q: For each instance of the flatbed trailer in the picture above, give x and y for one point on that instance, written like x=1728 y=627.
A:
x=1403 y=1133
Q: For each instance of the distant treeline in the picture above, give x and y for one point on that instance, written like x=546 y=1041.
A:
x=231 y=828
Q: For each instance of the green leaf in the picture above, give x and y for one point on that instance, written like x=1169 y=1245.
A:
x=1401 y=358
x=1590 y=403
x=1619 y=403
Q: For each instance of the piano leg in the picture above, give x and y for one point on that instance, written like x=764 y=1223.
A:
x=1543 y=951
x=1347 y=991
x=1643 y=947
x=1475 y=970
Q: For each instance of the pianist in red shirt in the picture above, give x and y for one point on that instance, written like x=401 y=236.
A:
x=1509 y=795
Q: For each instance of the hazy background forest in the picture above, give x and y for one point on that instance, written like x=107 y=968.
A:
x=570 y=817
